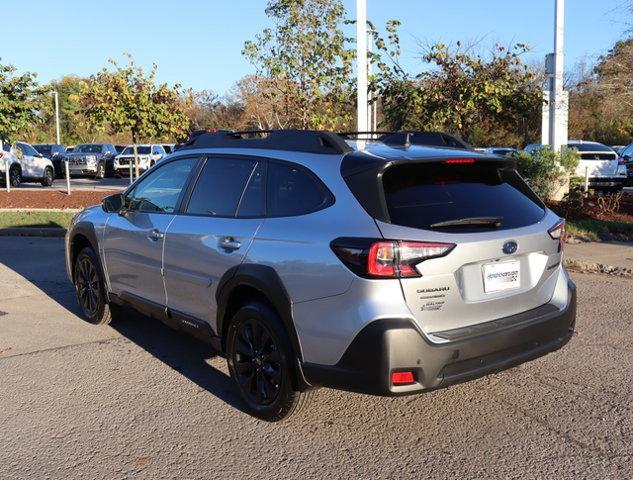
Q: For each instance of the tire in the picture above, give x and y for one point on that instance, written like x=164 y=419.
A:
x=261 y=363
x=100 y=171
x=90 y=289
x=49 y=176
x=15 y=176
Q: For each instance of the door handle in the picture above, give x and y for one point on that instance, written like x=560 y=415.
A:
x=155 y=235
x=229 y=243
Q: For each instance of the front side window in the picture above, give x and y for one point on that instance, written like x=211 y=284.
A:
x=27 y=149
x=221 y=186
x=294 y=191
x=160 y=190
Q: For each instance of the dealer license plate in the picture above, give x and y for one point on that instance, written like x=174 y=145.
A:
x=502 y=276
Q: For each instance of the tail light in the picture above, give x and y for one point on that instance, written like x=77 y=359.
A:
x=621 y=161
x=387 y=259
x=558 y=232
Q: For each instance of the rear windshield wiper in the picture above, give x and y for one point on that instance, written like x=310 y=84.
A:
x=493 y=222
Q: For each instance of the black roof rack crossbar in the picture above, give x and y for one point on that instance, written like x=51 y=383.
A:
x=309 y=141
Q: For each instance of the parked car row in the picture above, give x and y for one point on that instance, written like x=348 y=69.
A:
x=46 y=161
x=606 y=168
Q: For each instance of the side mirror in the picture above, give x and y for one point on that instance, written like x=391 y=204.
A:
x=39 y=155
x=112 y=203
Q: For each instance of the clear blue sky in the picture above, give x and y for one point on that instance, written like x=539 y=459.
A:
x=198 y=42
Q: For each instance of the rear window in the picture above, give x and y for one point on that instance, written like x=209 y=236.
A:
x=421 y=195
x=590 y=147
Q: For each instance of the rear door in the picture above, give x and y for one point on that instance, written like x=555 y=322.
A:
x=133 y=240
x=494 y=270
x=213 y=234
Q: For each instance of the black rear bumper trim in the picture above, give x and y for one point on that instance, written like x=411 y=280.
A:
x=389 y=345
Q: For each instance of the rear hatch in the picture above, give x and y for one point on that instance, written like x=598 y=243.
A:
x=597 y=160
x=504 y=261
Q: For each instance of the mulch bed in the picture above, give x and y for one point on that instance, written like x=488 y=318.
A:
x=591 y=210
x=28 y=198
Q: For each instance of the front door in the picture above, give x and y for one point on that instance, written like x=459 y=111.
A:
x=213 y=234
x=134 y=239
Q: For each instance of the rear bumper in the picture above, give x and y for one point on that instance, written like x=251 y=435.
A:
x=391 y=345
x=598 y=182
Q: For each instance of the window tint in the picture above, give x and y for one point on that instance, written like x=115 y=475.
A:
x=421 y=195
x=159 y=191
x=293 y=191
x=220 y=186
x=253 y=202
x=589 y=147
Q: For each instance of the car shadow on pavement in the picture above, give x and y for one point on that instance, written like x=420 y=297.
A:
x=183 y=353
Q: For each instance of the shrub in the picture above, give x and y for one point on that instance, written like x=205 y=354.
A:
x=545 y=170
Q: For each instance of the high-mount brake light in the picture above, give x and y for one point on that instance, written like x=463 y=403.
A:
x=558 y=232
x=459 y=161
x=387 y=258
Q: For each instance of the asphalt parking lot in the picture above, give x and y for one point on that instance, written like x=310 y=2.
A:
x=139 y=400
x=84 y=183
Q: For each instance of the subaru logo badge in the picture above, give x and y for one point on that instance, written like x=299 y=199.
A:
x=510 y=247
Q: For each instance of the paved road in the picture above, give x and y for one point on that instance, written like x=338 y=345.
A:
x=139 y=400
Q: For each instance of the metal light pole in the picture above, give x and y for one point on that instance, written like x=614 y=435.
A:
x=57 y=116
x=558 y=103
x=361 y=65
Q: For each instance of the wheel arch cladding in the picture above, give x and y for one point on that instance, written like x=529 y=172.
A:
x=259 y=282
x=83 y=235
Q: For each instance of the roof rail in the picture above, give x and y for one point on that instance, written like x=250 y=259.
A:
x=309 y=141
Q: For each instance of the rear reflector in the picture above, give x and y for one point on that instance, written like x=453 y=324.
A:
x=402 y=378
x=459 y=161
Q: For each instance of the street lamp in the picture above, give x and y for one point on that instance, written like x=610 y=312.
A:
x=361 y=65
x=57 y=116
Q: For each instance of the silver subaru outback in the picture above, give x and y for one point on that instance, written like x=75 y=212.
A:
x=389 y=268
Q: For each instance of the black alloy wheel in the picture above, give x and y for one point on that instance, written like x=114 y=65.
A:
x=262 y=363
x=257 y=362
x=87 y=284
x=15 y=176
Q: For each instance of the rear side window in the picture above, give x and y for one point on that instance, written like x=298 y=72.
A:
x=220 y=186
x=424 y=194
x=294 y=191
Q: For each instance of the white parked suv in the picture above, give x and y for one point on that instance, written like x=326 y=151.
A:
x=148 y=155
x=25 y=165
x=606 y=171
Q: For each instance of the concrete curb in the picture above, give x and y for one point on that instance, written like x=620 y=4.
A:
x=589 y=267
x=33 y=232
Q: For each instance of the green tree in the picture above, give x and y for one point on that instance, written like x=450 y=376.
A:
x=21 y=99
x=494 y=99
x=303 y=65
x=601 y=99
x=127 y=99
